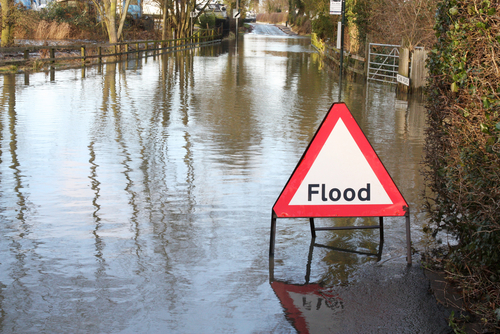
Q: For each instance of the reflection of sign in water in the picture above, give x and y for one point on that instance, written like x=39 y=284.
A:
x=335 y=7
x=308 y=306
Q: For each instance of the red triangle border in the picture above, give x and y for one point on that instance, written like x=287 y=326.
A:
x=282 y=209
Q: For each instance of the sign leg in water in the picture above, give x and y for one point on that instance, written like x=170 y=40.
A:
x=339 y=175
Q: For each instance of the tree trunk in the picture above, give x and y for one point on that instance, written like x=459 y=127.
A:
x=111 y=22
x=7 y=23
x=179 y=15
x=164 y=28
x=107 y=10
x=122 y=19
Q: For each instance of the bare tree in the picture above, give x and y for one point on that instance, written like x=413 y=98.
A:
x=408 y=22
x=176 y=15
x=108 y=11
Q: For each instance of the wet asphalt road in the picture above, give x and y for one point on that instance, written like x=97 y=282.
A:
x=391 y=298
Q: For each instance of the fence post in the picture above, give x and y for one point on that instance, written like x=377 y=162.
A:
x=83 y=55
x=404 y=61
x=26 y=54
x=99 y=53
x=52 y=55
x=367 y=55
x=418 y=72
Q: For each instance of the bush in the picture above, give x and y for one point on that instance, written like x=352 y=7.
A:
x=58 y=21
x=62 y=13
x=273 y=18
x=26 y=23
x=304 y=27
x=462 y=149
x=206 y=19
x=323 y=27
x=463 y=137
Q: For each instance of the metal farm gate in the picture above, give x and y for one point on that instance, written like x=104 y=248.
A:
x=383 y=62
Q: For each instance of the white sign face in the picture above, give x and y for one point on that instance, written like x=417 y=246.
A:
x=340 y=175
x=335 y=7
x=339 y=35
x=402 y=79
x=236 y=14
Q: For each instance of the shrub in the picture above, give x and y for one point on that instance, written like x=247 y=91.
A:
x=57 y=21
x=304 y=27
x=61 y=13
x=206 y=21
x=323 y=26
x=462 y=149
x=26 y=23
x=463 y=135
x=273 y=18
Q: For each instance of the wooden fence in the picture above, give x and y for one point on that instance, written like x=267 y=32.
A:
x=95 y=53
x=410 y=65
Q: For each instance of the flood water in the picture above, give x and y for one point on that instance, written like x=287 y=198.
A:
x=136 y=197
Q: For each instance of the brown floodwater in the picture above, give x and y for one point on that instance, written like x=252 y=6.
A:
x=136 y=197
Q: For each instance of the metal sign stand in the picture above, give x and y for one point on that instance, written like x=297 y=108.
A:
x=311 y=251
x=314 y=229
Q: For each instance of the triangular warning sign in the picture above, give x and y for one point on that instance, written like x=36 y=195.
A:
x=340 y=175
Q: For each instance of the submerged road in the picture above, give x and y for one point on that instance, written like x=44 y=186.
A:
x=267 y=30
x=136 y=199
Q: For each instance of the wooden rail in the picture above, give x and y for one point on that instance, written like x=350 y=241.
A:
x=352 y=63
x=88 y=53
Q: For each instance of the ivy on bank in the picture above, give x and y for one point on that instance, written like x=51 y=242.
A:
x=462 y=150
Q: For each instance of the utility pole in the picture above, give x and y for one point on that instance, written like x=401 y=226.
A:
x=342 y=48
x=237 y=18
